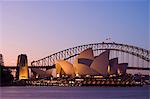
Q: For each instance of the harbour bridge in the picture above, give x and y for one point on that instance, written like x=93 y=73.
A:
x=136 y=57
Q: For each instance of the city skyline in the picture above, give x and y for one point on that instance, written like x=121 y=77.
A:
x=39 y=29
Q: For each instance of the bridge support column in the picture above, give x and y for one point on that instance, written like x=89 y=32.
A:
x=22 y=67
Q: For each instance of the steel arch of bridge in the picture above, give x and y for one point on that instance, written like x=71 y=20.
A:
x=72 y=52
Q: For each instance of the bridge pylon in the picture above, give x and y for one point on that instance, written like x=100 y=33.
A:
x=22 y=71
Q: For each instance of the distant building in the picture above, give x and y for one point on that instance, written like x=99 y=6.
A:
x=1 y=60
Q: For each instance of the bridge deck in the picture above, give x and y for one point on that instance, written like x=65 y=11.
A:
x=14 y=67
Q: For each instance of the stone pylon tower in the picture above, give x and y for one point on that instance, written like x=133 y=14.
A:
x=1 y=60
x=22 y=67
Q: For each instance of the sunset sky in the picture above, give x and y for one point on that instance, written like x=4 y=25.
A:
x=39 y=28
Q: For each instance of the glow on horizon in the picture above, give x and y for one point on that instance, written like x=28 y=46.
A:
x=39 y=29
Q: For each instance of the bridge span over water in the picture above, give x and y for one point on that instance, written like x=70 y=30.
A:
x=136 y=57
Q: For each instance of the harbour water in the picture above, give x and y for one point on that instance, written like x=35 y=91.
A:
x=53 y=92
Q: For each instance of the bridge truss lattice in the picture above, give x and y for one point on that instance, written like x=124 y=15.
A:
x=134 y=56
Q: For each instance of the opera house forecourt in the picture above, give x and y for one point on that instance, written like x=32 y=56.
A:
x=86 y=69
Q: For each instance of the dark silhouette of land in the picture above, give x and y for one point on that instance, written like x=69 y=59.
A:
x=6 y=78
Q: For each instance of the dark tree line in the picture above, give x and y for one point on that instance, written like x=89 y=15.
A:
x=6 y=78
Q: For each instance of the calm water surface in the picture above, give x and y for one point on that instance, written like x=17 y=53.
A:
x=41 y=92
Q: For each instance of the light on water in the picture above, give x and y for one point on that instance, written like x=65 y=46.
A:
x=42 y=92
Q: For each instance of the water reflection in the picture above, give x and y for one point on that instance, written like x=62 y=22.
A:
x=41 y=92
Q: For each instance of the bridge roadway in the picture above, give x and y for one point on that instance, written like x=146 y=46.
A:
x=49 y=67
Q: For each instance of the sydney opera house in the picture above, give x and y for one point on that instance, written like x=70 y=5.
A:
x=85 y=65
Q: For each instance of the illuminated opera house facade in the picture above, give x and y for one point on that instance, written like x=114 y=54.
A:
x=85 y=65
